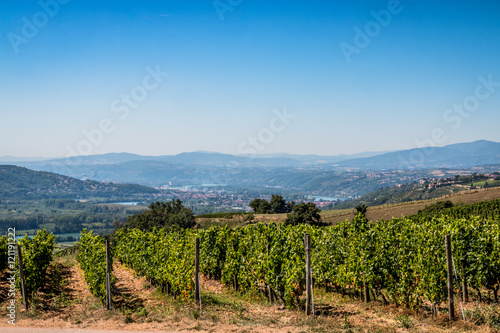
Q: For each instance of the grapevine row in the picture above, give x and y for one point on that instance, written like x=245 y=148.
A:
x=166 y=259
x=92 y=259
x=36 y=256
x=401 y=260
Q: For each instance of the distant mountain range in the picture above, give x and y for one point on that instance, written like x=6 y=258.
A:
x=455 y=156
x=10 y=159
x=208 y=167
x=199 y=157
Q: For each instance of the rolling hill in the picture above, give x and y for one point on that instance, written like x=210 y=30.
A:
x=25 y=184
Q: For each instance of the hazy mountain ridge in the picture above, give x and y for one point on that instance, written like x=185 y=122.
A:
x=469 y=154
x=461 y=155
x=296 y=172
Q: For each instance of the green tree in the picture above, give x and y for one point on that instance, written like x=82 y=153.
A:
x=261 y=206
x=304 y=213
x=361 y=209
x=279 y=205
x=162 y=215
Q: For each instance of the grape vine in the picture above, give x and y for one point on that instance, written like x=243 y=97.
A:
x=91 y=256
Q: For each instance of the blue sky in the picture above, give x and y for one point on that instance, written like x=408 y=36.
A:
x=233 y=65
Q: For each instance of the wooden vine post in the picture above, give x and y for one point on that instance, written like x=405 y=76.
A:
x=21 y=276
x=366 y=290
x=197 y=294
x=307 y=245
x=449 y=266
x=108 y=280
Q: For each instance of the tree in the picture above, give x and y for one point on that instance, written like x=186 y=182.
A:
x=279 y=205
x=362 y=209
x=261 y=206
x=304 y=213
x=162 y=215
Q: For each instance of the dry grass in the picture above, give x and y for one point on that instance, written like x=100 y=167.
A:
x=374 y=213
x=388 y=212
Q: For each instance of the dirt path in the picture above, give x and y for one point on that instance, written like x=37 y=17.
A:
x=61 y=330
x=65 y=304
x=130 y=292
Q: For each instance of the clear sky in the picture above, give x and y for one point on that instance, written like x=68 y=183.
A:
x=355 y=75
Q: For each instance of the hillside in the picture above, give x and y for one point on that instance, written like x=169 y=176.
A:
x=31 y=200
x=19 y=183
x=396 y=210
x=424 y=189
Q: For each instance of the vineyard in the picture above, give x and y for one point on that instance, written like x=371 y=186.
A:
x=401 y=261
x=489 y=210
x=92 y=259
x=165 y=258
x=36 y=257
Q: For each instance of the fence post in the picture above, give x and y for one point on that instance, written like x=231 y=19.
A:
x=21 y=276
x=307 y=244
x=366 y=289
x=108 y=280
x=197 y=295
x=449 y=266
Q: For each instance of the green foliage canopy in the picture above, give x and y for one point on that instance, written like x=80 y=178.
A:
x=277 y=205
x=162 y=215
x=304 y=213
